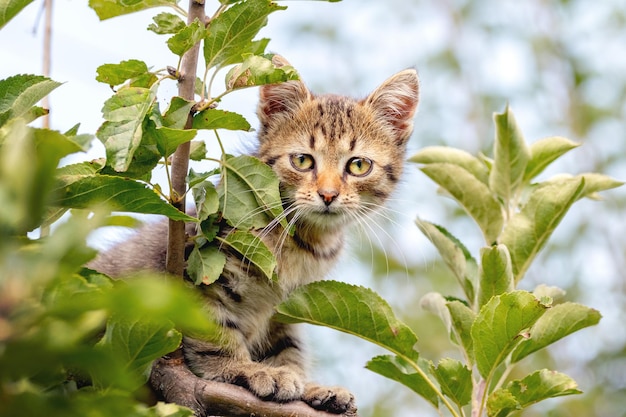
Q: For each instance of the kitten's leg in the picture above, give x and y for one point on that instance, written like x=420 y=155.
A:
x=234 y=365
x=286 y=352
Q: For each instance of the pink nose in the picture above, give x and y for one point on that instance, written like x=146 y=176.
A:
x=328 y=196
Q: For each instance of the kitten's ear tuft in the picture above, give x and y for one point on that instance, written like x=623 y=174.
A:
x=396 y=100
x=282 y=98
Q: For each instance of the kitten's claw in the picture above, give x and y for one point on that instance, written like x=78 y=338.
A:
x=335 y=400
x=278 y=384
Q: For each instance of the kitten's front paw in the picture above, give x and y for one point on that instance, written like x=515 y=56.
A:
x=278 y=384
x=335 y=400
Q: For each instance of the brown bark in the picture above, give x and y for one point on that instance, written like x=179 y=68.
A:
x=173 y=382
x=175 y=260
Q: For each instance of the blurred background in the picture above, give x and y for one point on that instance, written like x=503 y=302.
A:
x=561 y=66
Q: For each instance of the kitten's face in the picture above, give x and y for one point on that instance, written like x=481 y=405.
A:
x=336 y=158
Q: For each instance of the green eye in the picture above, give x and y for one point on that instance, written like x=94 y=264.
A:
x=302 y=161
x=359 y=167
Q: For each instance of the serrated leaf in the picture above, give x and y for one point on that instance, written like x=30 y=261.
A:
x=232 y=32
x=114 y=193
x=10 y=8
x=177 y=113
x=498 y=327
x=529 y=230
x=351 y=309
x=472 y=194
x=538 y=386
x=205 y=265
x=106 y=9
x=206 y=199
x=117 y=74
x=595 y=183
x=501 y=403
x=184 y=40
x=122 y=131
x=220 y=119
x=455 y=380
x=168 y=140
x=198 y=150
x=545 y=151
x=166 y=23
x=194 y=178
x=249 y=192
x=258 y=70
x=19 y=93
x=437 y=154
x=511 y=156
x=396 y=369
x=454 y=254
x=253 y=250
x=496 y=273
x=462 y=319
x=556 y=323
x=139 y=342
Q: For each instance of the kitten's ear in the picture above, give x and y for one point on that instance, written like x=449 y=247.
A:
x=283 y=98
x=396 y=100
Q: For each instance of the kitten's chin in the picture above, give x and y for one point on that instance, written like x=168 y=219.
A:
x=328 y=219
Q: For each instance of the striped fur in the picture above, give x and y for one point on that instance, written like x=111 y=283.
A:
x=328 y=192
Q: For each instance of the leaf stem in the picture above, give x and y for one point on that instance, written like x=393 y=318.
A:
x=430 y=383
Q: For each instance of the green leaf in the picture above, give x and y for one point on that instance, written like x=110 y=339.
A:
x=198 y=150
x=529 y=230
x=501 y=403
x=595 y=183
x=351 y=309
x=117 y=74
x=19 y=93
x=472 y=194
x=558 y=322
x=498 y=327
x=122 y=131
x=220 y=119
x=496 y=273
x=462 y=319
x=258 y=70
x=535 y=387
x=253 y=250
x=177 y=113
x=205 y=265
x=455 y=380
x=249 y=192
x=168 y=140
x=184 y=40
x=455 y=255
x=114 y=193
x=232 y=32
x=511 y=157
x=397 y=369
x=206 y=199
x=28 y=161
x=137 y=343
x=106 y=9
x=545 y=151
x=10 y=8
x=438 y=154
x=166 y=23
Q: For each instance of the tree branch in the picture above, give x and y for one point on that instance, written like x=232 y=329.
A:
x=173 y=382
x=175 y=258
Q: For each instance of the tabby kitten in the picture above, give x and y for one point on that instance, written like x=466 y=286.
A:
x=336 y=158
